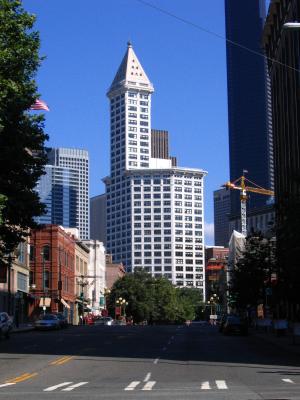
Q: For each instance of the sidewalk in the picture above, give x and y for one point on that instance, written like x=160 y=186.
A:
x=23 y=328
x=284 y=342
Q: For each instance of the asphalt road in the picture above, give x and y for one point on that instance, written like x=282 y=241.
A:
x=145 y=362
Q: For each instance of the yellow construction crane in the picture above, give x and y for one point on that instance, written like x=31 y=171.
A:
x=241 y=185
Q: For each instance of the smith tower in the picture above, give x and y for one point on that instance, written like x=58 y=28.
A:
x=131 y=124
x=154 y=210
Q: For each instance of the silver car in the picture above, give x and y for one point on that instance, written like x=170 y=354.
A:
x=47 y=321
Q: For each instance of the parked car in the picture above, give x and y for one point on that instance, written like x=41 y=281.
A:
x=6 y=325
x=63 y=321
x=235 y=324
x=47 y=321
x=104 y=321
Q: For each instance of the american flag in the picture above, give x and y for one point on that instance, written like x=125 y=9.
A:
x=39 y=105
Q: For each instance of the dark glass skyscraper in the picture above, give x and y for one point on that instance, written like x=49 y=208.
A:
x=250 y=136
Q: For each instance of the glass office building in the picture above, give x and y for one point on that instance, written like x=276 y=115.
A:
x=250 y=125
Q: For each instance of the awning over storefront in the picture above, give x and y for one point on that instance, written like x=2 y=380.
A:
x=65 y=303
x=45 y=301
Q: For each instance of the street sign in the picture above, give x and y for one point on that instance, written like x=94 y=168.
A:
x=213 y=316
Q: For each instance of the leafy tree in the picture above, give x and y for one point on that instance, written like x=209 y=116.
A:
x=252 y=272
x=154 y=299
x=22 y=138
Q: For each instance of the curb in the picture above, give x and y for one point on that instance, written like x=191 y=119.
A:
x=22 y=330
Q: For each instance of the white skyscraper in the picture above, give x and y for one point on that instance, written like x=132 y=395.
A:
x=155 y=211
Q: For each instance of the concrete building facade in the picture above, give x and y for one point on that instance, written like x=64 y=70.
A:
x=154 y=211
x=96 y=273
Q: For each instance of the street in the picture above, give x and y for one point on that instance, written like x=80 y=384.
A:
x=142 y=362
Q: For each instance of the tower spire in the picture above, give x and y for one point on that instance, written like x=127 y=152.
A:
x=131 y=73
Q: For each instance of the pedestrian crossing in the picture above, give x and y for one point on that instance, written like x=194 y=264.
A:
x=149 y=385
x=142 y=385
x=70 y=386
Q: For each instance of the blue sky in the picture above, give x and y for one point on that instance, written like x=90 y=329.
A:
x=84 y=42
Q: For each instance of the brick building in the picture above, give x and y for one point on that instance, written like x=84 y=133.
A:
x=113 y=272
x=215 y=271
x=52 y=271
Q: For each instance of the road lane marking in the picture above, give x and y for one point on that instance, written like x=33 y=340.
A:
x=76 y=385
x=147 y=377
x=149 y=385
x=205 y=386
x=132 y=385
x=221 y=385
x=65 y=360
x=51 y=388
x=288 y=380
x=61 y=360
x=7 y=384
x=156 y=361
x=22 y=378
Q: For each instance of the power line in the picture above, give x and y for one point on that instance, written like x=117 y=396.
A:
x=217 y=35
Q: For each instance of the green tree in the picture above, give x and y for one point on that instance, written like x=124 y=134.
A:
x=22 y=138
x=154 y=299
x=252 y=273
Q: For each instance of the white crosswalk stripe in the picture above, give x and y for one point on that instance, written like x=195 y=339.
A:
x=67 y=389
x=149 y=385
x=221 y=385
x=132 y=385
x=51 y=388
x=205 y=385
x=76 y=385
x=288 y=380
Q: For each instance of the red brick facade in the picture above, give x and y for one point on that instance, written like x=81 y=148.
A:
x=113 y=271
x=52 y=254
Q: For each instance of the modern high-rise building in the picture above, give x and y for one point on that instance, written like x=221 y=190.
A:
x=98 y=218
x=65 y=189
x=250 y=138
x=221 y=217
x=282 y=46
x=59 y=191
x=154 y=211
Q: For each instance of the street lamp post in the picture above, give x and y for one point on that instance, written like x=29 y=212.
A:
x=121 y=303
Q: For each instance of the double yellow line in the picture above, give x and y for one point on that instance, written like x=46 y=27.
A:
x=62 y=360
x=21 y=378
x=24 y=377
